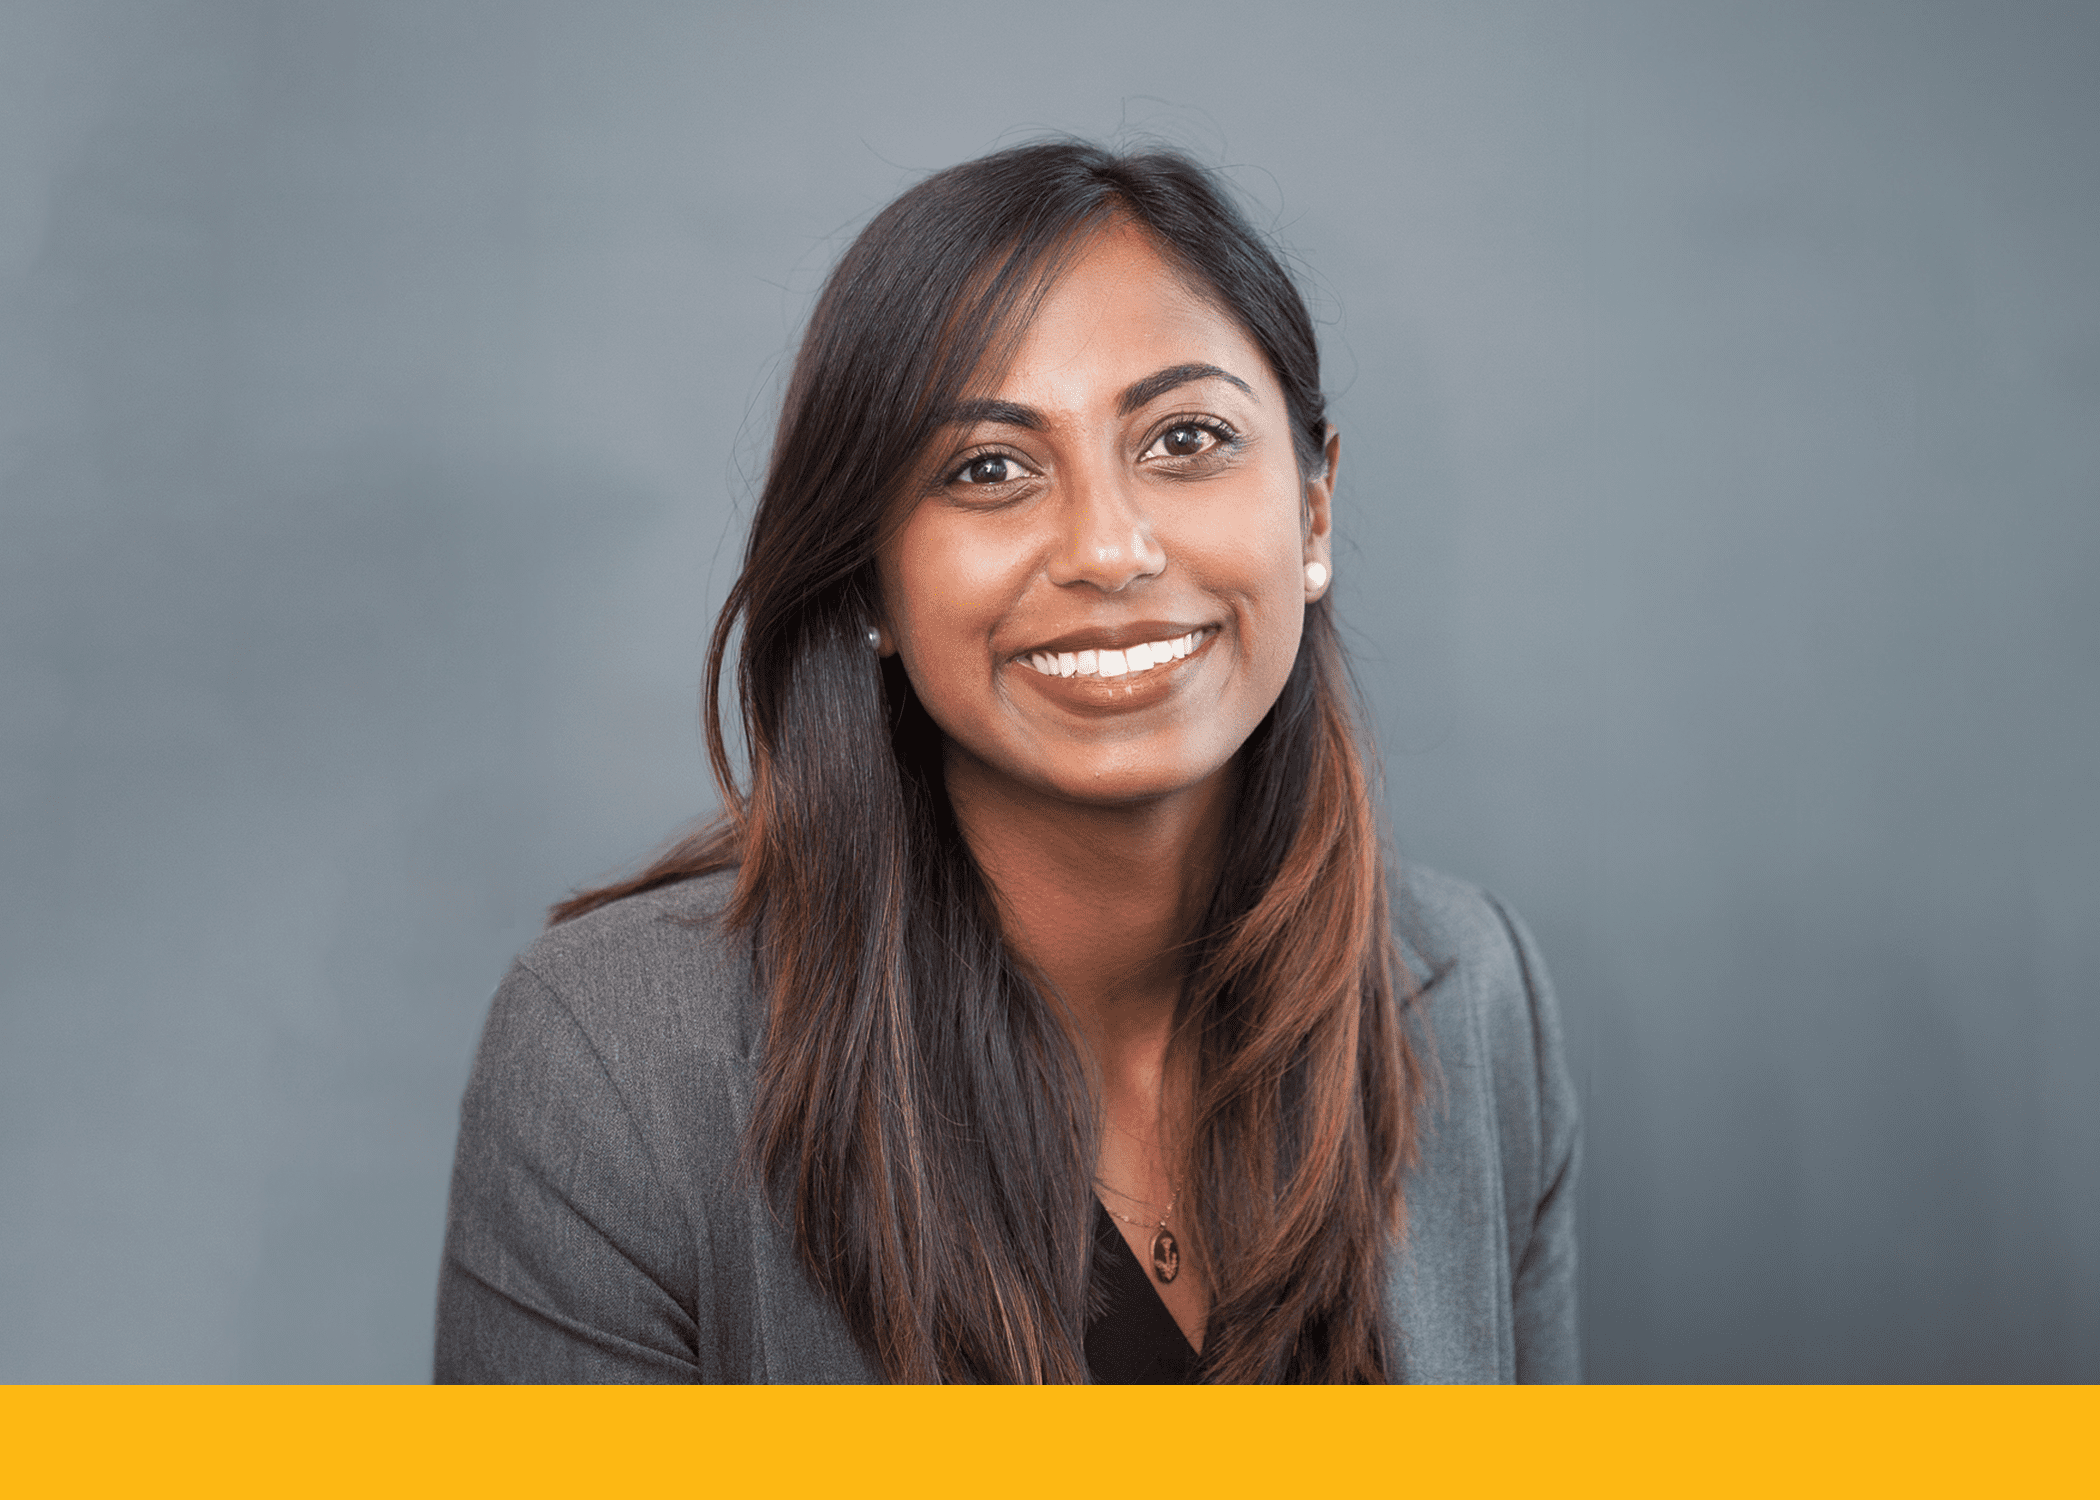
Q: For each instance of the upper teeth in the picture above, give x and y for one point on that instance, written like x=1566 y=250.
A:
x=1139 y=658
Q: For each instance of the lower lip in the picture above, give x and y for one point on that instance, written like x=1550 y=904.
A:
x=1108 y=695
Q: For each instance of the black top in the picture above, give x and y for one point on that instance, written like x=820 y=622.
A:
x=1132 y=1339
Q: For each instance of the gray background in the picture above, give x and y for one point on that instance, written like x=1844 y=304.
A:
x=382 y=386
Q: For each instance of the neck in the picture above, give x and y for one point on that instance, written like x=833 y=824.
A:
x=1100 y=900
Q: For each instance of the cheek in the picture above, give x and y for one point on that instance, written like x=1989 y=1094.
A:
x=1257 y=559
x=942 y=595
x=1278 y=624
x=1273 y=621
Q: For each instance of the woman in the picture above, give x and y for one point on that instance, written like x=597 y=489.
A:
x=1035 y=1012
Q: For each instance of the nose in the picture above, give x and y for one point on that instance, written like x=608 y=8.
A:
x=1105 y=537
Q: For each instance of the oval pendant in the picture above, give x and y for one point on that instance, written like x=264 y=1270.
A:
x=1166 y=1257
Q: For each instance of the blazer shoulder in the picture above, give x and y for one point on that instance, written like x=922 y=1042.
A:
x=661 y=965
x=1450 y=927
x=1483 y=985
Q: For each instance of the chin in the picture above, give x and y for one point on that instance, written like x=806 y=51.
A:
x=1122 y=783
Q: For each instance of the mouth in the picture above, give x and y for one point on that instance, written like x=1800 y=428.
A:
x=1133 y=660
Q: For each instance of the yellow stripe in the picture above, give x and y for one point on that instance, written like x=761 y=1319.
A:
x=1187 y=1444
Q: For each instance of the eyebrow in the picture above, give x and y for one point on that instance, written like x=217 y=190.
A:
x=1135 y=395
x=1139 y=392
x=1004 y=413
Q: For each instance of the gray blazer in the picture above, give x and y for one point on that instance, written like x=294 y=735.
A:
x=598 y=1231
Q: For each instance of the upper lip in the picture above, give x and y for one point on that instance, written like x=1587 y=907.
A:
x=1112 y=637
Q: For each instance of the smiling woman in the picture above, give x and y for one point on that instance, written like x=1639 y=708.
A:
x=1041 y=1008
x=1133 y=483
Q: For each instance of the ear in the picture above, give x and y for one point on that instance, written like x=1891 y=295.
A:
x=881 y=639
x=1319 y=517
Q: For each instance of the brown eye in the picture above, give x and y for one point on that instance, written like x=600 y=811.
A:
x=1207 y=439
x=1184 y=441
x=989 y=468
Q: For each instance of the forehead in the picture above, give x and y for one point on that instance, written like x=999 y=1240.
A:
x=1120 y=310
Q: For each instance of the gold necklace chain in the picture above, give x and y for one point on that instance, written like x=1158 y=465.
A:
x=1166 y=1253
x=1140 y=1223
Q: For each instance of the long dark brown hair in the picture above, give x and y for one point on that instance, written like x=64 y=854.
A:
x=924 y=1112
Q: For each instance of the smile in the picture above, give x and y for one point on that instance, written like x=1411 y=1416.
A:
x=1131 y=661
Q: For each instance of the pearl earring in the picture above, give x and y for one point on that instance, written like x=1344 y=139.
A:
x=1316 y=575
x=874 y=638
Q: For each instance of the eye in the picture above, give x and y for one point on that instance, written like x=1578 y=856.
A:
x=988 y=468
x=1185 y=441
x=1187 y=438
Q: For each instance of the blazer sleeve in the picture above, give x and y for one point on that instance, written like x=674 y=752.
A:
x=1547 y=1332
x=566 y=1260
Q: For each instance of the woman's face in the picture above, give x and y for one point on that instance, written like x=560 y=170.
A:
x=1100 y=591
